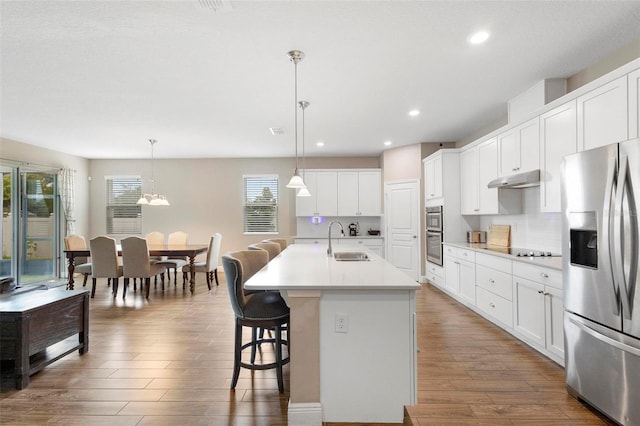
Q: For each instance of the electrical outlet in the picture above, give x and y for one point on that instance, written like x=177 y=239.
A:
x=342 y=323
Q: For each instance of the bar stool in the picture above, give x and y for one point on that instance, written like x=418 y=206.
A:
x=266 y=310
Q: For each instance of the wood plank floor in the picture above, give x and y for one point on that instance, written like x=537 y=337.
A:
x=168 y=361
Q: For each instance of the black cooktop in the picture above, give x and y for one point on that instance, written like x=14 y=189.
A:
x=521 y=252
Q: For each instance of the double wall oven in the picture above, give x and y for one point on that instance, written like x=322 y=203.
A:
x=434 y=234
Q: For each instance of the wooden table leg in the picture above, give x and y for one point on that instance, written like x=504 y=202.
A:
x=72 y=268
x=192 y=281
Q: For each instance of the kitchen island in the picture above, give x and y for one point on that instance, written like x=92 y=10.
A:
x=352 y=332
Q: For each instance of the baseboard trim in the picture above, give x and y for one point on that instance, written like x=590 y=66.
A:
x=305 y=414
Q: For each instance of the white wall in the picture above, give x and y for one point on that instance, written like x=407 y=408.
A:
x=206 y=195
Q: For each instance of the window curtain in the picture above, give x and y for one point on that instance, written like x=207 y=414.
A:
x=65 y=182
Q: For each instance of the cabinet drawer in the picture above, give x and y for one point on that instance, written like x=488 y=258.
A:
x=495 y=306
x=539 y=274
x=365 y=241
x=494 y=281
x=466 y=254
x=435 y=279
x=494 y=262
x=450 y=250
x=434 y=269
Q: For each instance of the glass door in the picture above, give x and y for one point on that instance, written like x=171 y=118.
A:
x=38 y=246
x=10 y=211
x=29 y=225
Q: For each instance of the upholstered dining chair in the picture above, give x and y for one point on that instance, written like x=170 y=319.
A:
x=105 y=264
x=175 y=238
x=82 y=266
x=282 y=241
x=264 y=310
x=272 y=248
x=137 y=263
x=155 y=238
x=210 y=266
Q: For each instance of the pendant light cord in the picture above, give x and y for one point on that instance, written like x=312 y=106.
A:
x=295 y=105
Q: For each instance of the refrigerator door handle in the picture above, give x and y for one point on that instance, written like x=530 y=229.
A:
x=605 y=339
x=608 y=240
x=620 y=233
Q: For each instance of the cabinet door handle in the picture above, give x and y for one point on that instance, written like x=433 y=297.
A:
x=492 y=305
x=476 y=210
x=543 y=275
x=547 y=294
x=541 y=292
x=491 y=280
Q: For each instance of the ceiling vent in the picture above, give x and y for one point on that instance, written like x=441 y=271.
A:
x=216 y=5
x=276 y=131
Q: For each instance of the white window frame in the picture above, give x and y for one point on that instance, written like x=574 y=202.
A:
x=131 y=224
x=254 y=227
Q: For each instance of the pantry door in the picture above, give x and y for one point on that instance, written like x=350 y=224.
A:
x=402 y=215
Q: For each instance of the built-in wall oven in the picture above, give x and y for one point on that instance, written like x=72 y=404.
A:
x=434 y=234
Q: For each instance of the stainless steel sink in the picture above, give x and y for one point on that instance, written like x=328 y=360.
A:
x=351 y=256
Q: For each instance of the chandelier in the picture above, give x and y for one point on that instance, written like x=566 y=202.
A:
x=296 y=181
x=303 y=192
x=153 y=199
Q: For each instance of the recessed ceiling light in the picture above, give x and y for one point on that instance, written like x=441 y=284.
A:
x=479 y=37
x=320 y=144
x=414 y=112
x=387 y=143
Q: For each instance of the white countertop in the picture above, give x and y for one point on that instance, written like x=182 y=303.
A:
x=307 y=267
x=548 y=262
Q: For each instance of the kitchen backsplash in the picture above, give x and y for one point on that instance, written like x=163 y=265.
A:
x=307 y=228
x=531 y=229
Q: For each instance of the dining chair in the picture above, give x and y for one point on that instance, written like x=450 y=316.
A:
x=272 y=248
x=178 y=238
x=155 y=238
x=105 y=264
x=264 y=310
x=137 y=263
x=210 y=266
x=282 y=241
x=82 y=266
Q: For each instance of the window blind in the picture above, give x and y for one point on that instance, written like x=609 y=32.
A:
x=260 y=203
x=124 y=216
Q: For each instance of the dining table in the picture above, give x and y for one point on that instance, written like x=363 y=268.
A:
x=169 y=250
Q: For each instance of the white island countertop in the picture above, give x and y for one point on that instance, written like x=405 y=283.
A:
x=307 y=267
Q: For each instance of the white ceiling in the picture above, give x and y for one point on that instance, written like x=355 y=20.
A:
x=99 y=78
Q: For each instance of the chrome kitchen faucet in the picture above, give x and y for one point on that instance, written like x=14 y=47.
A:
x=329 y=250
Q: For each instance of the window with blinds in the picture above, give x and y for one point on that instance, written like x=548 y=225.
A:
x=124 y=216
x=260 y=203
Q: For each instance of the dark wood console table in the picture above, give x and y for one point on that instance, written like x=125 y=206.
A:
x=34 y=321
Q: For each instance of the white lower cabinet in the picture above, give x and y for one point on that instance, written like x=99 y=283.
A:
x=460 y=274
x=522 y=298
x=538 y=309
x=435 y=274
x=493 y=280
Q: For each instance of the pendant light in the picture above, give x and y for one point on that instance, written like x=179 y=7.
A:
x=296 y=56
x=303 y=192
x=153 y=199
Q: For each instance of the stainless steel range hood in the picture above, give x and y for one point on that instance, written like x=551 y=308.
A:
x=518 y=180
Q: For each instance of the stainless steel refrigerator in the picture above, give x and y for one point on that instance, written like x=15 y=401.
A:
x=601 y=251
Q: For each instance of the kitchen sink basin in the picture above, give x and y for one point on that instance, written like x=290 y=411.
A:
x=351 y=256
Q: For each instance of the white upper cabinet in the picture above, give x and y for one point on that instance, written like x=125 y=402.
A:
x=603 y=115
x=360 y=193
x=469 y=181
x=323 y=186
x=558 y=138
x=633 y=81
x=519 y=148
x=487 y=171
x=433 y=178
